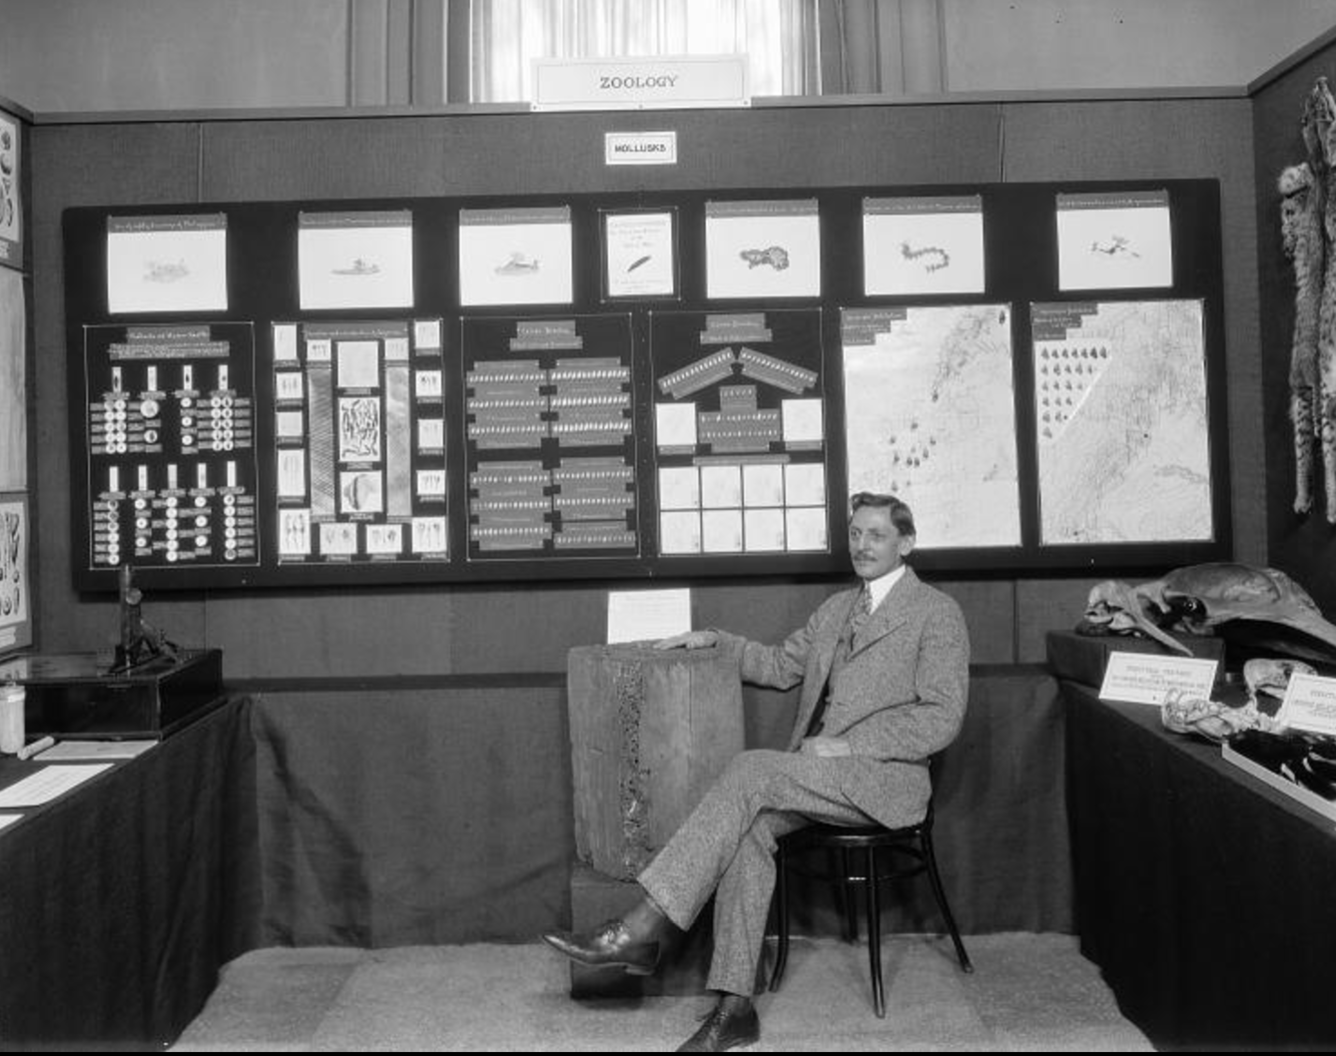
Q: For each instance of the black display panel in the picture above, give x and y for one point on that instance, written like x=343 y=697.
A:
x=644 y=385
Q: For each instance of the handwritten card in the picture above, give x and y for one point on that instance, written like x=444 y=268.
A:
x=1139 y=678
x=1309 y=704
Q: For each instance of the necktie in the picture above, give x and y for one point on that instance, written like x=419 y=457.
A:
x=859 y=614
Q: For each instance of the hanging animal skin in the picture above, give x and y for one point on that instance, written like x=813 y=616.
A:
x=1319 y=131
x=1301 y=236
x=1198 y=599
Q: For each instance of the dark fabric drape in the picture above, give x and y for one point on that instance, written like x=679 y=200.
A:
x=1001 y=828
x=1203 y=894
x=424 y=816
x=881 y=47
x=413 y=817
x=120 y=900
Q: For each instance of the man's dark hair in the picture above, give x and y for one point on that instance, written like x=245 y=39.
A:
x=900 y=513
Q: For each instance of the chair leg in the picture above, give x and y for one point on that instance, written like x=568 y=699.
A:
x=940 y=894
x=850 y=898
x=782 y=901
x=874 y=933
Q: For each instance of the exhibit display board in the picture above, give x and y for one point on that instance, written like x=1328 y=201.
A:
x=627 y=385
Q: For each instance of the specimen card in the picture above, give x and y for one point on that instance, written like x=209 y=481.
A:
x=806 y=528
x=675 y=424
x=1310 y=704
x=679 y=532
x=1144 y=678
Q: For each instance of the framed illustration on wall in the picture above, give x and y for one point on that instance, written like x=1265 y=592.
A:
x=15 y=585
x=355 y=259
x=13 y=388
x=515 y=256
x=639 y=254
x=167 y=263
x=11 y=200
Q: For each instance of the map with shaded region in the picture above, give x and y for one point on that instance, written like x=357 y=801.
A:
x=930 y=418
x=1123 y=443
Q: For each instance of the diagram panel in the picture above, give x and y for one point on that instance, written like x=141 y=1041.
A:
x=740 y=432
x=360 y=451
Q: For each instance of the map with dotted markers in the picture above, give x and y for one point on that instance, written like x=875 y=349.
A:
x=930 y=417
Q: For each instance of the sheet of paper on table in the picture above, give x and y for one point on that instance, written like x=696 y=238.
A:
x=643 y=615
x=68 y=751
x=47 y=784
x=8 y=819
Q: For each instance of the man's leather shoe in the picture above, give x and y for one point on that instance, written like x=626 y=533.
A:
x=724 y=1030
x=610 y=945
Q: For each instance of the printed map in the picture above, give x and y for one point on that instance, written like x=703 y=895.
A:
x=1123 y=446
x=930 y=418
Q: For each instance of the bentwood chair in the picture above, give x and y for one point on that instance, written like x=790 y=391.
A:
x=867 y=855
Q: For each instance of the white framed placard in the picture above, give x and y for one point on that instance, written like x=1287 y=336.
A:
x=635 y=82
x=1141 y=678
x=1309 y=704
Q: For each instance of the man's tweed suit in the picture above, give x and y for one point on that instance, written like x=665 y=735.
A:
x=898 y=698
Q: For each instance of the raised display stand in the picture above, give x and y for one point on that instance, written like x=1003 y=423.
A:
x=1083 y=657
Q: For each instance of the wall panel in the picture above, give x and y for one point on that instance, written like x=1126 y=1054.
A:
x=81 y=165
x=1169 y=139
x=479 y=630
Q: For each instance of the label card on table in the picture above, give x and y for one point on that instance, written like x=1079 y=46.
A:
x=1138 y=678
x=1309 y=704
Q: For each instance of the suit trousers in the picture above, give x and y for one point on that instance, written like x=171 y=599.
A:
x=726 y=847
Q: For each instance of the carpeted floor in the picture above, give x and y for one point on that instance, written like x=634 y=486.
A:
x=1027 y=993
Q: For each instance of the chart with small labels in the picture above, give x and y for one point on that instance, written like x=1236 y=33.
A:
x=171 y=445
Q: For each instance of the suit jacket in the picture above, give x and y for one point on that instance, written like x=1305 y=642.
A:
x=899 y=697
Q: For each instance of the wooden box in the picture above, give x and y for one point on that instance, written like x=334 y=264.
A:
x=650 y=731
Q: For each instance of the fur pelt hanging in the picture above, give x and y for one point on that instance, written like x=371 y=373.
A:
x=1319 y=132
x=1301 y=236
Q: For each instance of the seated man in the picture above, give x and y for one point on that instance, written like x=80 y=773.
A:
x=884 y=670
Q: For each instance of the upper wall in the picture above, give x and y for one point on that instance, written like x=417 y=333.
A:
x=94 y=55
x=1084 y=44
x=490 y=629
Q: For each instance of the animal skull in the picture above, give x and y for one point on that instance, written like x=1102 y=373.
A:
x=1198 y=598
x=1217 y=722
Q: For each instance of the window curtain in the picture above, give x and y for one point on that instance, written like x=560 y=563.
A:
x=881 y=47
x=505 y=36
